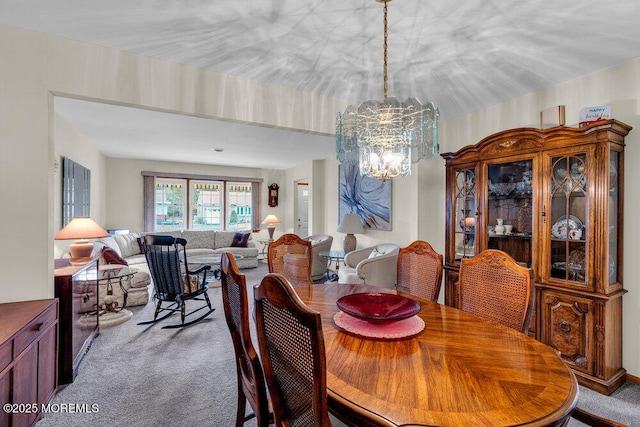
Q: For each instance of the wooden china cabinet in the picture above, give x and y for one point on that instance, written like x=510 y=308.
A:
x=559 y=196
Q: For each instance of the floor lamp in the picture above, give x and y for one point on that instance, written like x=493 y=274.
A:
x=351 y=225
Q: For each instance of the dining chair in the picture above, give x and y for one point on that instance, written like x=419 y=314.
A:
x=419 y=270
x=173 y=282
x=292 y=257
x=494 y=286
x=293 y=355
x=251 y=383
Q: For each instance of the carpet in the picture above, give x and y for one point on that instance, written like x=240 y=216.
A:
x=145 y=376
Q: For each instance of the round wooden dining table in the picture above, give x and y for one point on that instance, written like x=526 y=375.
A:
x=461 y=370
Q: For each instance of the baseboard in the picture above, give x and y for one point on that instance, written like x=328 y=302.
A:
x=633 y=378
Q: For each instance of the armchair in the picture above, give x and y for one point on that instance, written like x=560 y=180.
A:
x=365 y=266
x=319 y=243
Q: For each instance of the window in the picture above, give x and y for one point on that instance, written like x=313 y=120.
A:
x=170 y=204
x=239 y=204
x=206 y=205
x=198 y=203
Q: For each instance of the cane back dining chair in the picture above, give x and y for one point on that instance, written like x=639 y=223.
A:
x=251 y=383
x=293 y=354
x=173 y=282
x=494 y=286
x=419 y=270
x=292 y=257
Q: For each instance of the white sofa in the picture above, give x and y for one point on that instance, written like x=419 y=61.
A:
x=199 y=242
x=378 y=269
x=319 y=243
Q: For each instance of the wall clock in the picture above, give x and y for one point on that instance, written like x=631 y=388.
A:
x=273 y=195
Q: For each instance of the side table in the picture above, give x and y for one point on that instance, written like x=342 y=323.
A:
x=265 y=244
x=111 y=306
x=333 y=256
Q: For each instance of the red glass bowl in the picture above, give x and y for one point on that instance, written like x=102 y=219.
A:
x=376 y=307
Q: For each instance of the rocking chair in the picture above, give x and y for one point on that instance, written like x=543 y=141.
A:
x=173 y=282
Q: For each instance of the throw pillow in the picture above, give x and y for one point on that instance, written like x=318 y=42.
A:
x=240 y=240
x=111 y=256
x=374 y=253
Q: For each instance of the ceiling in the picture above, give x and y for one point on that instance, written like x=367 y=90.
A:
x=463 y=55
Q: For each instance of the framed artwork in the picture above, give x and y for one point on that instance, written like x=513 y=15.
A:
x=368 y=197
x=76 y=190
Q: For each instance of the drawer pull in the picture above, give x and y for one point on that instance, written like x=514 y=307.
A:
x=565 y=327
x=40 y=326
x=85 y=298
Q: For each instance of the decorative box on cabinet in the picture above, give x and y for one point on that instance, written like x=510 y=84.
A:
x=561 y=189
x=28 y=343
x=77 y=290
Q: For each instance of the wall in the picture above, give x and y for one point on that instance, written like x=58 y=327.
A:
x=70 y=143
x=125 y=195
x=34 y=66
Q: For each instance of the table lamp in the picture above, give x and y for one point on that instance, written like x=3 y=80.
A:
x=351 y=225
x=81 y=229
x=270 y=220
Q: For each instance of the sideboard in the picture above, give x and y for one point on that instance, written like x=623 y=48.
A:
x=28 y=341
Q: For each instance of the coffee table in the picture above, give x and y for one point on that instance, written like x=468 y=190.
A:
x=213 y=260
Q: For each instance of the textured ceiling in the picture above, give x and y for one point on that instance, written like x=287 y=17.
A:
x=463 y=55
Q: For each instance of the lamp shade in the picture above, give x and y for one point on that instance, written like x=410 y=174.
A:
x=80 y=229
x=271 y=219
x=351 y=224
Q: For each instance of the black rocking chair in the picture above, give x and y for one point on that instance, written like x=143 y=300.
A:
x=173 y=282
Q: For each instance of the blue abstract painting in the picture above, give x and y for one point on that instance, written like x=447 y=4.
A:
x=368 y=197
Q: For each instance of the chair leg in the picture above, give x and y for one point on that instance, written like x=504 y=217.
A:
x=182 y=312
x=157 y=312
x=206 y=297
x=242 y=405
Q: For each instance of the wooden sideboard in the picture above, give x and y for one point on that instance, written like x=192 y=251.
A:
x=28 y=343
x=77 y=290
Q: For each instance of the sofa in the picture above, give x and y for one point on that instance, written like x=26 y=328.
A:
x=319 y=243
x=199 y=242
x=375 y=265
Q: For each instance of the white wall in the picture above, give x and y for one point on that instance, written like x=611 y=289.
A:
x=35 y=65
x=70 y=143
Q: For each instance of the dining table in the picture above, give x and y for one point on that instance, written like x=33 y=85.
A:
x=460 y=370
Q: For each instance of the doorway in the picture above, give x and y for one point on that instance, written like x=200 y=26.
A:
x=302 y=208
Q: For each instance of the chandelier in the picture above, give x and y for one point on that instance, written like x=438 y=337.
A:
x=386 y=137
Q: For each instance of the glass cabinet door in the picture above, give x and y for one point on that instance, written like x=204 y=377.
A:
x=568 y=218
x=510 y=209
x=465 y=214
x=614 y=204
